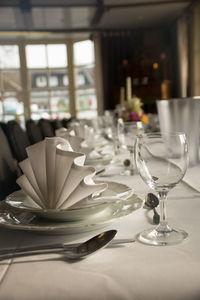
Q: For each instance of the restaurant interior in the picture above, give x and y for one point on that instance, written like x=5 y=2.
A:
x=99 y=137
x=154 y=42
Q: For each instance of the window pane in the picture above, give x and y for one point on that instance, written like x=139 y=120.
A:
x=8 y=118
x=84 y=53
x=9 y=57
x=87 y=114
x=57 y=56
x=10 y=81
x=36 y=56
x=12 y=104
x=60 y=101
x=58 y=78
x=41 y=81
x=38 y=116
x=61 y=115
x=38 y=79
x=86 y=99
x=53 y=81
x=39 y=102
x=84 y=77
x=65 y=80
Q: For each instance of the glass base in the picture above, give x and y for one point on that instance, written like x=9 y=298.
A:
x=158 y=237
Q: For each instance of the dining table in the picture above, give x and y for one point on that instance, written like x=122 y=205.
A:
x=127 y=271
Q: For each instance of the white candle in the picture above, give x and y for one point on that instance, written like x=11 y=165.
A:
x=128 y=88
x=122 y=95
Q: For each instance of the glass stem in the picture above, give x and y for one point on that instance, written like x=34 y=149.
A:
x=132 y=161
x=163 y=226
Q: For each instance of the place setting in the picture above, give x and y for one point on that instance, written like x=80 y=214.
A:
x=59 y=193
x=84 y=139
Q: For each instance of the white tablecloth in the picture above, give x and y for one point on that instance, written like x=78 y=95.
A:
x=131 y=271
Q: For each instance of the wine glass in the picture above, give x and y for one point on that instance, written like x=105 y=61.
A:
x=127 y=132
x=161 y=159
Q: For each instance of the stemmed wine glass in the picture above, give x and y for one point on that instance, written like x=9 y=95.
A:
x=127 y=132
x=161 y=160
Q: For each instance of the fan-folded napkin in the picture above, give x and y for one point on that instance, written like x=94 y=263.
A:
x=55 y=176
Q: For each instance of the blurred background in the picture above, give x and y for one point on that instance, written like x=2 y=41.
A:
x=70 y=58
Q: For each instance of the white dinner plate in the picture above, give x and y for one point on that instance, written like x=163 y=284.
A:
x=31 y=222
x=83 y=209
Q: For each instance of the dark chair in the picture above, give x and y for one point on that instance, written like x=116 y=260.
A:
x=66 y=122
x=8 y=168
x=18 y=140
x=46 y=128
x=33 y=131
x=3 y=126
x=56 y=124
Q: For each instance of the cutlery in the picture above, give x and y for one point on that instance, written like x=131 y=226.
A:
x=71 y=251
x=99 y=170
x=151 y=201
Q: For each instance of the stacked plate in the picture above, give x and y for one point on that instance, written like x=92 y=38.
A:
x=19 y=211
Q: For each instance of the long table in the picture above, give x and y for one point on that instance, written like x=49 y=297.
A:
x=124 y=272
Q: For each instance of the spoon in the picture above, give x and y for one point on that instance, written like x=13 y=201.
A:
x=71 y=252
x=152 y=201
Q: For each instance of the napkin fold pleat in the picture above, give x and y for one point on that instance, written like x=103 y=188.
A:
x=77 y=174
x=51 y=167
x=64 y=162
x=27 y=187
x=36 y=155
x=84 y=190
x=25 y=166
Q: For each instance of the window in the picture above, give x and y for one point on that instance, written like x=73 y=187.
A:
x=49 y=84
x=11 y=104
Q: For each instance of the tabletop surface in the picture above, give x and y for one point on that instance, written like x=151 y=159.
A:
x=128 y=271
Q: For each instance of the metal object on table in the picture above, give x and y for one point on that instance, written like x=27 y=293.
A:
x=71 y=251
x=151 y=201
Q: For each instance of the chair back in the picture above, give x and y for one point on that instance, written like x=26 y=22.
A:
x=33 y=132
x=18 y=140
x=46 y=128
x=8 y=168
x=56 y=124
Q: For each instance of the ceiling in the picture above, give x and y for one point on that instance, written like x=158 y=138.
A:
x=67 y=16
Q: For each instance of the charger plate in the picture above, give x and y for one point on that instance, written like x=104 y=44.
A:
x=83 y=209
x=13 y=219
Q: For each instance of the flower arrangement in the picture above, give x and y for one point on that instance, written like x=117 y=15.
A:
x=133 y=110
x=132 y=107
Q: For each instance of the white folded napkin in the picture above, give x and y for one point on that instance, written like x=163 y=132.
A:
x=55 y=176
x=87 y=133
x=61 y=132
x=77 y=143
